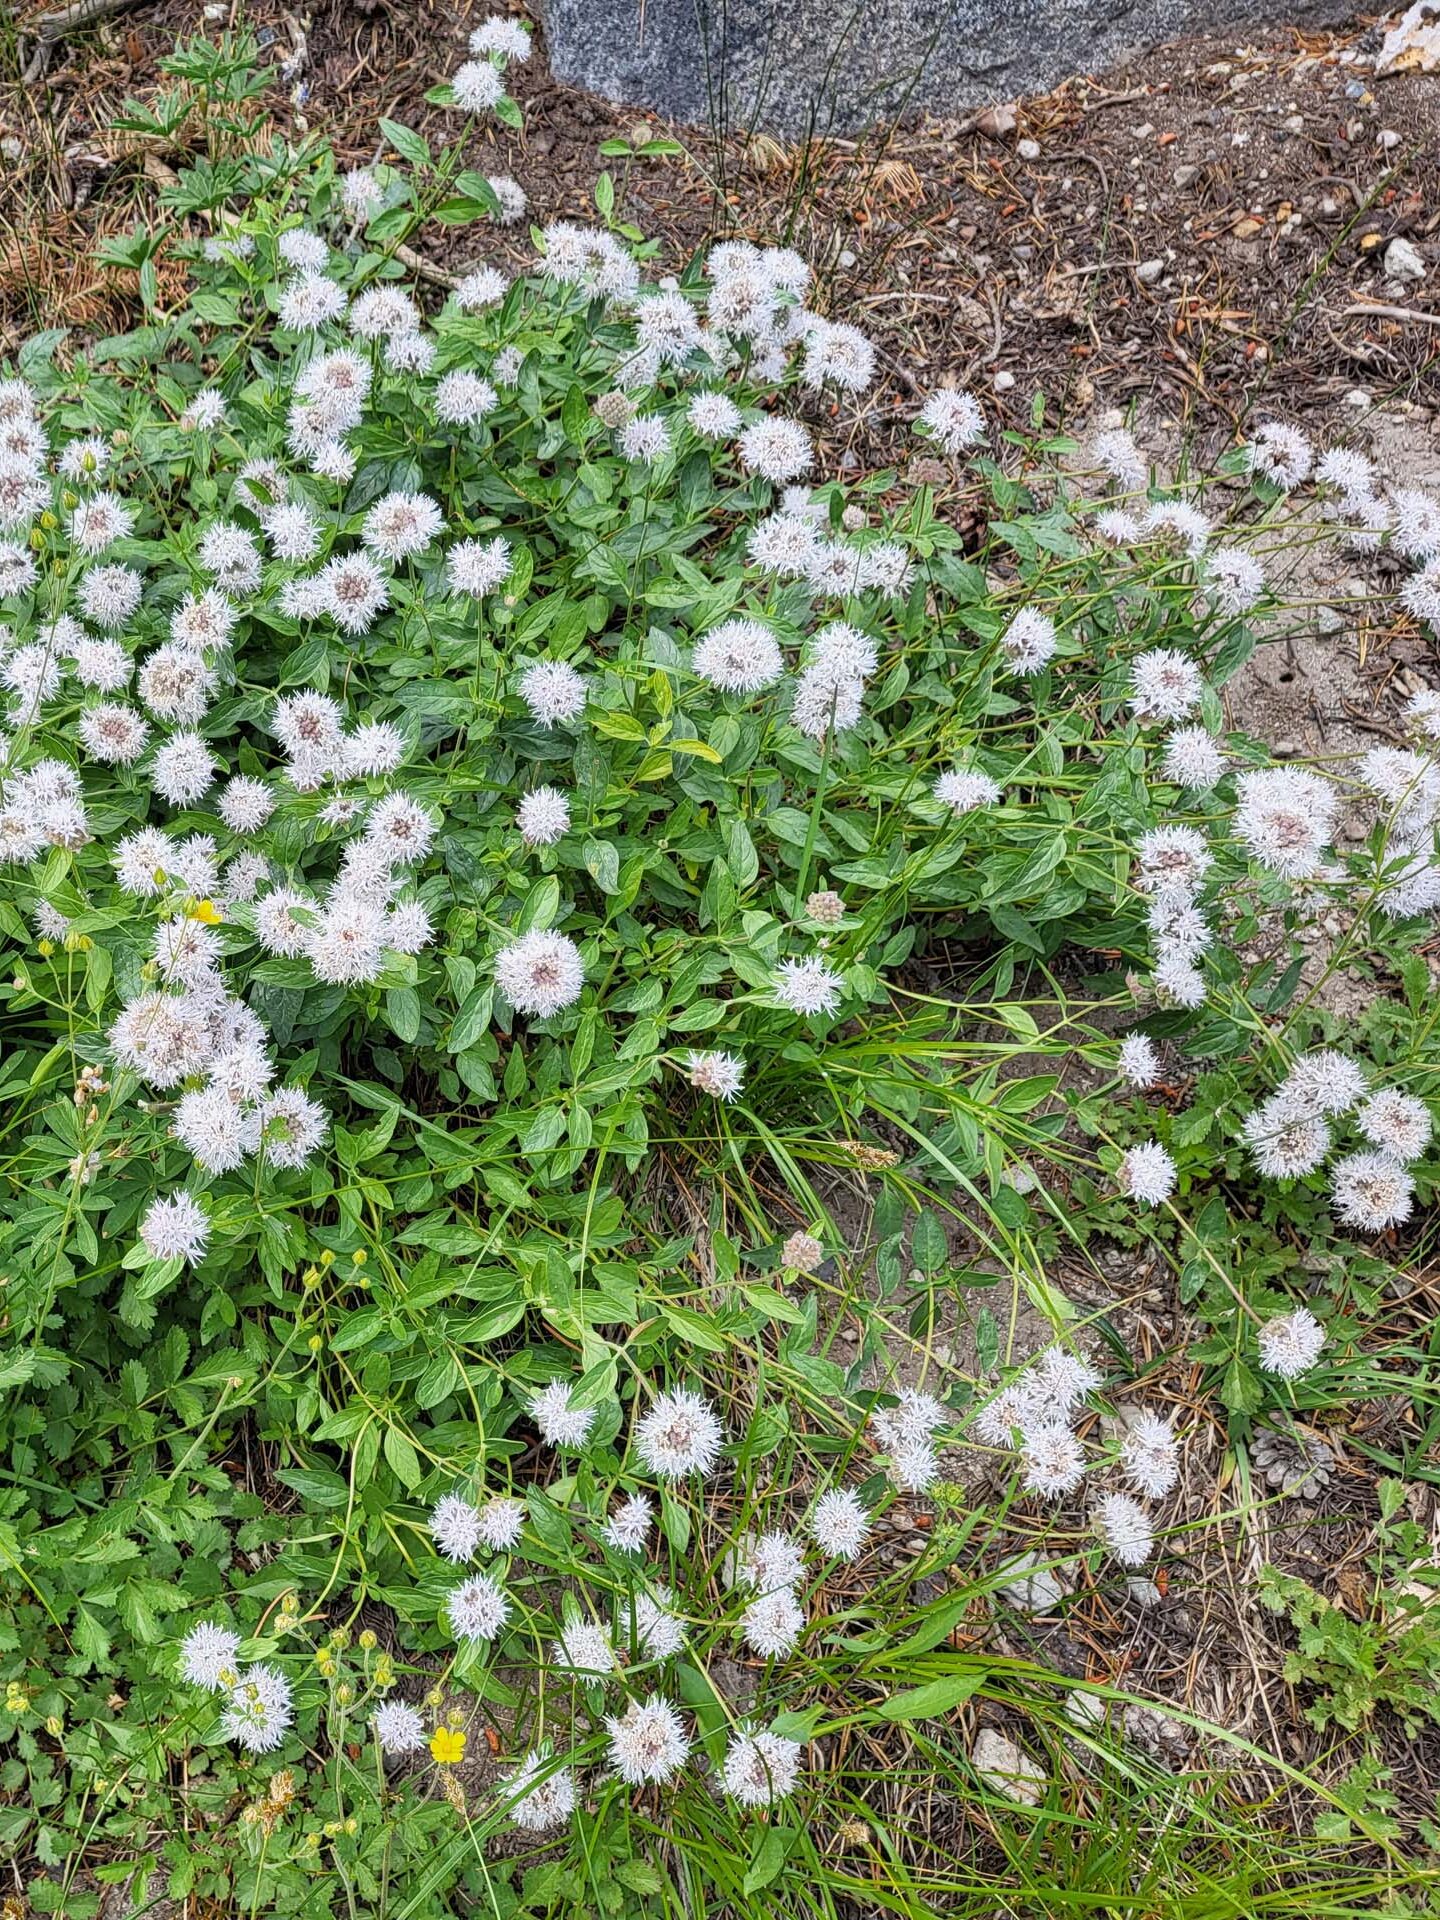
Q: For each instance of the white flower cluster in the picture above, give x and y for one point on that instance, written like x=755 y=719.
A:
x=1290 y=1135
x=1036 y=1415
x=259 y=1705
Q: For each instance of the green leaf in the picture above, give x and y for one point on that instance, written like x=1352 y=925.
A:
x=928 y=1246
x=407 y=143
x=605 y=195
x=602 y=863
x=402 y=1458
x=937 y=1697
x=767 y=1859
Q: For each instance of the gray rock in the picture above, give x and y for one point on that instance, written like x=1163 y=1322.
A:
x=1006 y=1768
x=1149 y=271
x=1033 y=1587
x=1402 y=260
x=805 y=66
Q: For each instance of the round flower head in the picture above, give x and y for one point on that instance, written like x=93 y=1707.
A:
x=1029 y=641
x=962 y=789
x=84 y=461
x=647 y=1742
x=246 y=804
x=208 y=1656
x=713 y=416
x=175 y=684
x=1175 y=524
x=658 y=1633
x=176 y=1228
x=109 y=595
x=1178 y=982
x=1165 y=685
x=307 y=252
x=206 y=409
x=914 y=1417
x=543 y=817
x=507 y=189
x=1416 y=532
x=782 y=544
x=291 y=529
x=101 y=664
x=772 y=1625
x=229 y=552
x=1171 y=861
x=99 y=521
x=553 y=691
x=807 y=987
x=1192 y=760
x=482 y=288
x=739 y=656
x=1290 y=1345
x=760 y=1768
x=478 y=567
x=954 y=419
x=628 y=1527
x=310 y=301
x=183 y=769
x=501 y=1522
x=478 y=1608
x=1372 y=1191
x=914 y=1467
x=839 y=1524
x=540 y=973
x=1139 y=1063
x=381 y=312
x=374 y=747
x=217 y=1132
x=645 y=439
x=560 y=1424
x=398 y=1727
x=409 y=353
x=1114 y=451
x=769 y=1562
x=1235 y=579
x=1014 y=1409
x=353 y=591
x=1125 y=1528
x=1285 y=1140
x=1063 y=1380
x=1149 y=1458
x=540 y=1794
x=113 y=734
x=462 y=398
x=1326 y=1081
x=679 y=1435
x=585 y=1648
x=721 y=1075
x=802 y=1253
x=1052 y=1460
x=823 y=704
x=1285 y=818
x=455 y=1527
x=778 y=450
x=276 y=926
x=361 y=192
x=478 y=85
x=401 y=524
x=1397 y=1123
x=1147 y=1174
x=400 y=830
x=260 y=1710
x=1117 y=529
x=1348 y=473
x=838 y=355
x=1281 y=454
